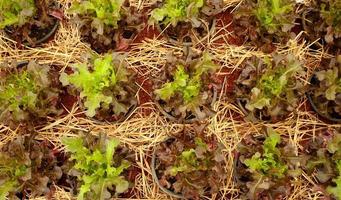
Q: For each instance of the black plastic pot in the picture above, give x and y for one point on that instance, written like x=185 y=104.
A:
x=188 y=121
x=156 y=179
x=330 y=117
x=9 y=31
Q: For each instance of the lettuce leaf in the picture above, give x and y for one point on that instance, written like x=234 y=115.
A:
x=175 y=11
x=273 y=84
x=98 y=171
x=188 y=85
x=27 y=92
x=269 y=162
x=332 y=82
x=272 y=13
x=102 y=12
x=336 y=190
x=16 y=12
x=93 y=83
x=332 y=15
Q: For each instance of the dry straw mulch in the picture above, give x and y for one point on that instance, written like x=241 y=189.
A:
x=142 y=133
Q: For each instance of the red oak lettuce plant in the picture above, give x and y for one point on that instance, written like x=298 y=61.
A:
x=190 y=166
x=27 y=92
x=268 y=88
x=187 y=89
x=28 y=167
x=263 y=169
x=98 y=167
x=103 y=84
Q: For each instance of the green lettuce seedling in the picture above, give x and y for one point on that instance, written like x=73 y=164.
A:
x=27 y=92
x=336 y=190
x=332 y=82
x=175 y=11
x=272 y=14
x=334 y=148
x=27 y=166
x=10 y=172
x=273 y=84
x=16 y=12
x=189 y=160
x=268 y=163
x=102 y=12
x=97 y=170
x=332 y=16
x=93 y=84
x=188 y=85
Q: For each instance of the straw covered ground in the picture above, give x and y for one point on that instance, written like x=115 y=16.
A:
x=142 y=132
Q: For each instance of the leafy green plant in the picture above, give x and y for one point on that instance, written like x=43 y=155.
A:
x=102 y=12
x=186 y=92
x=269 y=162
x=27 y=92
x=16 y=12
x=272 y=14
x=27 y=165
x=336 y=190
x=195 y=169
x=332 y=81
x=273 y=84
x=268 y=88
x=325 y=89
x=96 y=168
x=191 y=160
x=325 y=160
x=261 y=166
x=187 y=84
x=175 y=11
x=332 y=16
x=265 y=22
x=101 y=84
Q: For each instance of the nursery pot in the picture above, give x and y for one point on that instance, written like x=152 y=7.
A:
x=331 y=117
x=156 y=179
x=45 y=38
x=49 y=31
x=187 y=121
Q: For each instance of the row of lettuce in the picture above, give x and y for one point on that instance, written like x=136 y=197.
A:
x=187 y=165
x=268 y=88
x=113 y=24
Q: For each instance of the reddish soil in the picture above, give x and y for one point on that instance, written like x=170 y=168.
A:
x=133 y=172
x=227 y=78
x=225 y=19
x=67 y=101
x=149 y=32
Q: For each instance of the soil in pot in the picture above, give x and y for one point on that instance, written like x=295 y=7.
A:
x=189 y=165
